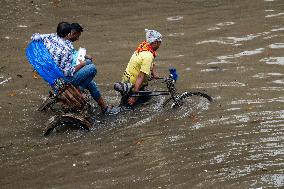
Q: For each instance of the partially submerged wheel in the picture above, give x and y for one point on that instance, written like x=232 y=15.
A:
x=69 y=120
x=181 y=99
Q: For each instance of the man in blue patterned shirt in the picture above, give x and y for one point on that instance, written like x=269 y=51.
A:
x=60 y=47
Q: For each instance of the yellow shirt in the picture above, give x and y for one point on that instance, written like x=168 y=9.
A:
x=139 y=62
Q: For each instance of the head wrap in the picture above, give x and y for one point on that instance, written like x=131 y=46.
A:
x=152 y=36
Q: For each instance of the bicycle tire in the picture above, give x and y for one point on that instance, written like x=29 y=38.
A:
x=184 y=95
x=70 y=119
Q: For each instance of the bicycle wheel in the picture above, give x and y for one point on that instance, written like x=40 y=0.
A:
x=182 y=98
x=68 y=121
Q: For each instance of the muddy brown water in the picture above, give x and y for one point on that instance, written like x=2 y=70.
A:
x=232 y=50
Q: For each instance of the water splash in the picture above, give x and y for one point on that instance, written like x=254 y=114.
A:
x=175 y=18
x=273 y=60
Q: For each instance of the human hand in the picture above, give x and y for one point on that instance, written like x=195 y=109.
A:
x=156 y=77
x=82 y=63
x=89 y=57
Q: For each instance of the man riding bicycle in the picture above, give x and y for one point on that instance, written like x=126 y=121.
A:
x=141 y=67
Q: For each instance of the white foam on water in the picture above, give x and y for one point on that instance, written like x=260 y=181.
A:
x=268 y=0
x=197 y=126
x=143 y=121
x=219 y=25
x=273 y=60
x=269 y=10
x=5 y=81
x=220 y=84
x=175 y=138
x=247 y=53
x=178 y=56
x=224 y=59
x=277 y=29
x=243 y=118
x=88 y=153
x=218 y=159
x=212 y=41
x=233 y=40
x=214 y=28
x=243 y=68
x=225 y=24
x=175 y=18
x=245 y=38
x=213 y=69
x=275 y=74
x=175 y=34
x=7 y=37
x=270 y=36
x=274 y=15
x=277 y=46
x=278 y=81
x=219 y=62
x=187 y=69
x=22 y=26
x=268 y=89
x=233 y=109
x=266 y=75
x=277 y=180
x=201 y=63
x=209 y=70
x=257 y=101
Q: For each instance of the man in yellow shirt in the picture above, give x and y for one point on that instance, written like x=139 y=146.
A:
x=141 y=66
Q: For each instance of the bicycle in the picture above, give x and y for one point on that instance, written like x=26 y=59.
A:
x=177 y=98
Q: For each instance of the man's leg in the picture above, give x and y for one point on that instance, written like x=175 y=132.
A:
x=84 y=76
x=143 y=99
x=95 y=93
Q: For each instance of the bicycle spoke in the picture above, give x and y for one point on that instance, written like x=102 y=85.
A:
x=166 y=102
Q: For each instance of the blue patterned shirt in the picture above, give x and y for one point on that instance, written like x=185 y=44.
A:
x=60 y=49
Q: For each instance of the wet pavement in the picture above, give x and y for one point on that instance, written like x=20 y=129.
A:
x=232 y=50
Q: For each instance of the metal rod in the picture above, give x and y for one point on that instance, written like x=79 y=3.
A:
x=149 y=92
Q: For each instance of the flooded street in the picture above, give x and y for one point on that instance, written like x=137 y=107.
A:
x=231 y=50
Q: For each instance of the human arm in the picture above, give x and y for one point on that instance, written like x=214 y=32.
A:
x=137 y=86
x=144 y=71
x=154 y=72
x=79 y=66
x=89 y=57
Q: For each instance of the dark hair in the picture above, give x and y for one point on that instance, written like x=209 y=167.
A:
x=76 y=27
x=63 y=29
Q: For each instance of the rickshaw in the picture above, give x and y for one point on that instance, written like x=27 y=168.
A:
x=75 y=107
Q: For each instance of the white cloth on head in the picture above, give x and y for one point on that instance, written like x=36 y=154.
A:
x=152 y=36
